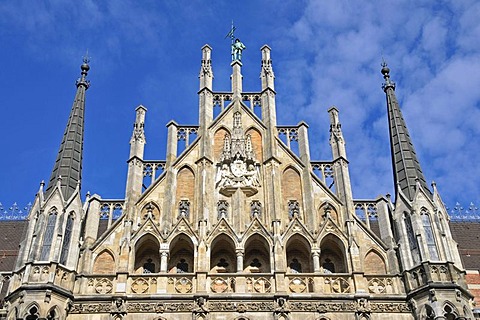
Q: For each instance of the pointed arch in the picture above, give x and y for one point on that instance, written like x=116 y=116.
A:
x=218 y=140
x=48 y=234
x=222 y=255
x=374 y=263
x=429 y=234
x=67 y=235
x=182 y=253
x=104 y=263
x=150 y=210
x=53 y=313
x=147 y=254
x=185 y=190
x=257 y=144
x=327 y=209
x=332 y=254
x=291 y=189
x=299 y=255
x=450 y=312
x=257 y=254
x=32 y=312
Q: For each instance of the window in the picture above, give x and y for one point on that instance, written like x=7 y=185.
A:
x=429 y=237
x=47 y=238
x=66 y=239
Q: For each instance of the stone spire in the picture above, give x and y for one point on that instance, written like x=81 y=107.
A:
x=68 y=166
x=406 y=168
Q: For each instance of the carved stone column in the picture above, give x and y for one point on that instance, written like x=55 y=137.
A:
x=239 y=260
x=316 y=260
x=163 y=260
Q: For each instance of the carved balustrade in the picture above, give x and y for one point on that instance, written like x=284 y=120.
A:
x=111 y=209
x=142 y=284
x=181 y=283
x=429 y=272
x=64 y=278
x=259 y=283
x=382 y=284
x=290 y=133
x=301 y=283
x=222 y=283
x=152 y=168
x=105 y=284
x=325 y=171
x=184 y=132
x=221 y=99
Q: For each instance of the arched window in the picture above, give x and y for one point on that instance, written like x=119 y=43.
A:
x=429 y=236
x=66 y=239
x=48 y=236
x=412 y=241
x=32 y=313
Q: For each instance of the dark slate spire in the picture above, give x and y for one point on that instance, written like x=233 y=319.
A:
x=406 y=168
x=68 y=165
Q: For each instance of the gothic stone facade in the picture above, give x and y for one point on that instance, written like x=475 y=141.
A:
x=237 y=223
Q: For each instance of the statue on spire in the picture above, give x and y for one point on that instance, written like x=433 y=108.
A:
x=237 y=45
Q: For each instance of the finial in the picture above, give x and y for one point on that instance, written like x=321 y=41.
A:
x=386 y=75
x=86 y=60
x=84 y=67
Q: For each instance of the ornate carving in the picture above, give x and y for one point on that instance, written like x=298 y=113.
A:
x=379 y=285
x=102 y=285
x=237 y=167
x=259 y=285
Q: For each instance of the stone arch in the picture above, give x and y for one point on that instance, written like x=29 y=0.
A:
x=32 y=312
x=257 y=255
x=299 y=255
x=374 y=263
x=185 y=190
x=291 y=189
x=450 y=312
x=222 y=255
x=332 y=255
x=427 y=313
x=104 y=263
x=257 y=144
x=182 y=254
x=218 y=138
x=147 y=254
x=327 y=209
x=150 y=209
x=53 y=313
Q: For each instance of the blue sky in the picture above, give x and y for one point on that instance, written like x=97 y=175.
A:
x=324 y=53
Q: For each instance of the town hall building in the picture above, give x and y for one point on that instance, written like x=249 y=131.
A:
x=237 y=223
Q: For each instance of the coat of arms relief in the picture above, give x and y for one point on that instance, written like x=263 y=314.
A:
x=238 y=167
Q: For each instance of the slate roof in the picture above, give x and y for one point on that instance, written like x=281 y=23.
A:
x=11 y=234
x=467 y=234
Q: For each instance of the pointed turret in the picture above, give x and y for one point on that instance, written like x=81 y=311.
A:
x=406 y=168
x=68 y=165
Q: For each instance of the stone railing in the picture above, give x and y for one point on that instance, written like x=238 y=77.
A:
x=152 y=169
x=261 y=283
x=221 y=99
x=325 y=171
x=429 y=272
